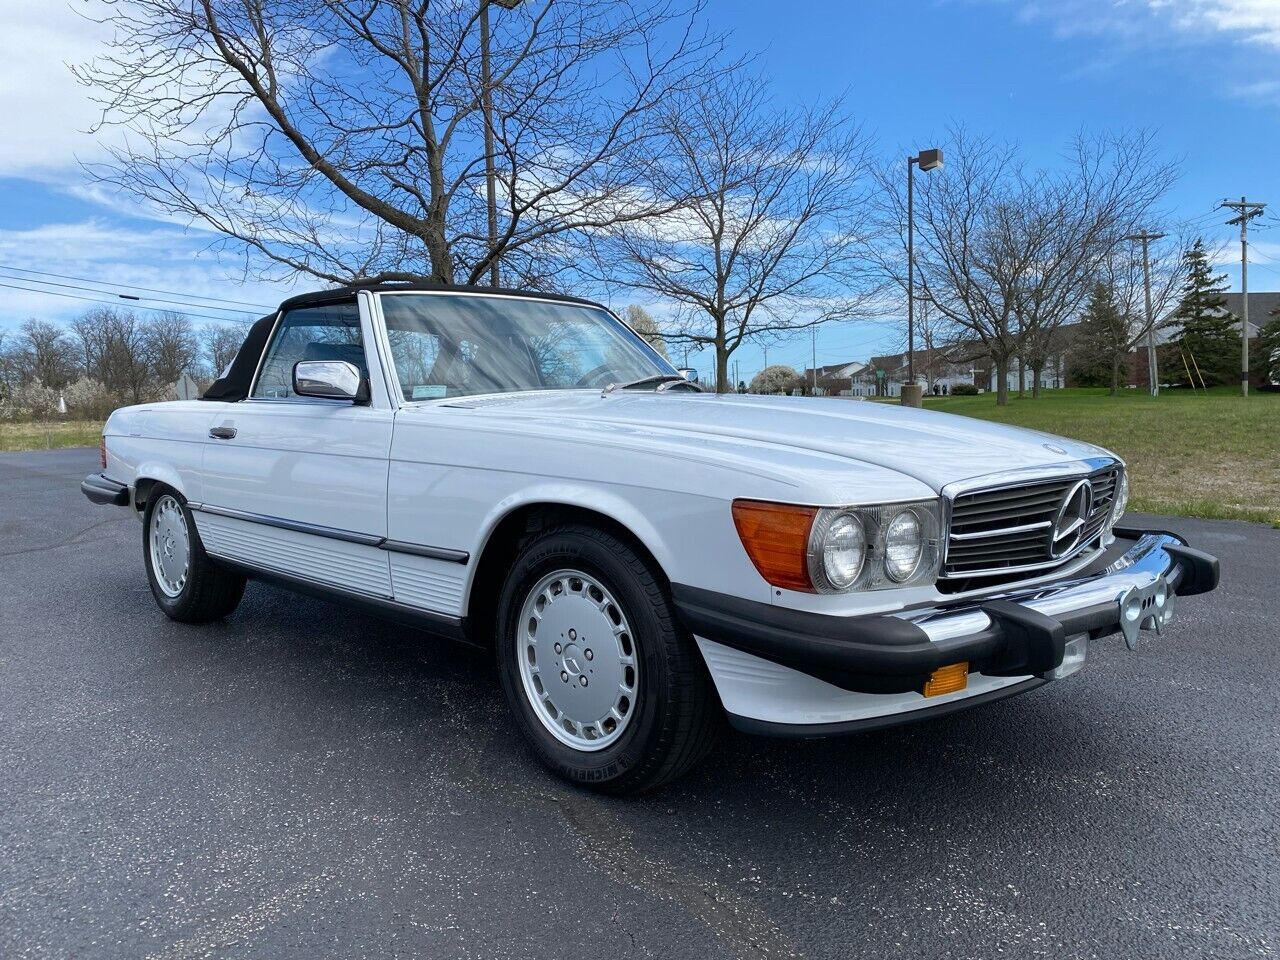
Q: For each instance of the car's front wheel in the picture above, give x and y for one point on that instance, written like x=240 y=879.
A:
x=608 y=688
x=188 y=586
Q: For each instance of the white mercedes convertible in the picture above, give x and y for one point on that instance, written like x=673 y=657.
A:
x=523 y=471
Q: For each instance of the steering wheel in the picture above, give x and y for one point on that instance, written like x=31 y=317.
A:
x=596 y=376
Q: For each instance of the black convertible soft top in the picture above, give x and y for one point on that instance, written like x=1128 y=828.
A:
x=238 y=381
x=235 y=383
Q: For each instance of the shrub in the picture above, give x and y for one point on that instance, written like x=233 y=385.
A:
x=31 y=401
x=963 y=390
x=87 y=399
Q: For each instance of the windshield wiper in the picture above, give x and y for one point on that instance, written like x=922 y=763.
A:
x=664 y=380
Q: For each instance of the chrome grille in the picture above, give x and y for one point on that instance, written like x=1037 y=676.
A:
x=1005 y=533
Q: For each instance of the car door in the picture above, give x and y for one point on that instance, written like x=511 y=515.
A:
x=297 y=485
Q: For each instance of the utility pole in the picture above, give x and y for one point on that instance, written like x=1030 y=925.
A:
x=486 y=107
x=1246 y=211
x=1153 y=377
x=813 y=335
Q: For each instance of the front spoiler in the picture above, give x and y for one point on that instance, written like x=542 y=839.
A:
x=1018 y=633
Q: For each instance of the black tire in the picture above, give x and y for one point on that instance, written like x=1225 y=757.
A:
x=676 y=712
x=209 y=592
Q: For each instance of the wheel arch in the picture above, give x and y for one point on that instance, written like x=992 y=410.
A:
x=148 y=475
x=509 y=530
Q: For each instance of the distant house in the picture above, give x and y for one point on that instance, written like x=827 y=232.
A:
x=834 y=379
x=883 y=376
x=1261 y=305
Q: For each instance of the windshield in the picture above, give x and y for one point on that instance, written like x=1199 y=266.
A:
x=454 y=345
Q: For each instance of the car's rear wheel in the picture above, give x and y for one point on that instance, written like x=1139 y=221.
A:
x=608 y=688
x=187 y=585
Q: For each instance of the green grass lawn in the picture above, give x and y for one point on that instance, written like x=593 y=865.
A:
x=1215 y=456
x=49 y=436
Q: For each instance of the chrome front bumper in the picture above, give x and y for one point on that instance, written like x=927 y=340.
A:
x=1134 y=592
x=798 y=673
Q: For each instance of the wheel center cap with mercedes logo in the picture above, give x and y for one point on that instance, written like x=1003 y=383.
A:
x=1072 y=518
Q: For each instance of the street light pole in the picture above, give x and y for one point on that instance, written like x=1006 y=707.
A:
x=928 y=160
x=486 y=106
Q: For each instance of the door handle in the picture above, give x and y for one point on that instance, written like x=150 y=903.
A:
x=222 y=433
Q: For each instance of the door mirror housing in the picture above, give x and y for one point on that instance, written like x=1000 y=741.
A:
x=330 y=380
x=688 y=373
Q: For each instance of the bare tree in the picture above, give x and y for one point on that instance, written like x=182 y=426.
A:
x=642 y=322
x=43 y=352
x=115 y=344
x=1007 y=255
x=170 y=347
x=221 y=344
x=1083 y=214
x=1122 y=272
x=771 y=231
x=345 y=138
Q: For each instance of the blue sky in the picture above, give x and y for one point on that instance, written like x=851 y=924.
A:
x=1205 y=74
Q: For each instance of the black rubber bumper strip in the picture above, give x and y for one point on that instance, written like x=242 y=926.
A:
x=872 y=654
x=104 y=490
x=882 y=653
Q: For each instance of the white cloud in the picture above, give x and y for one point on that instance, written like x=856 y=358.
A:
x=46 y=111
x=1256 y=21
x=1139 y=21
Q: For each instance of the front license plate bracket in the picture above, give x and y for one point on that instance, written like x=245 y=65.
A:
x=1144 y=608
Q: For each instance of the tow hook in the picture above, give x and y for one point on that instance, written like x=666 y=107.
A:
x=1145 y=608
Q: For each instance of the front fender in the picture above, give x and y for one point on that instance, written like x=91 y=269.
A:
x=692 y=539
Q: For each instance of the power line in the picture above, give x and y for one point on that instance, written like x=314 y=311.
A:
x=126 y=296
x=116 y=303
x=109 y=283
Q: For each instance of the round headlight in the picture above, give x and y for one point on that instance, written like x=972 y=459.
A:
x=1122 y=496
x=903 y=546
x=844 y=547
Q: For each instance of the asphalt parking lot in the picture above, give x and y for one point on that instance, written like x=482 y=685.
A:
x=300 y=781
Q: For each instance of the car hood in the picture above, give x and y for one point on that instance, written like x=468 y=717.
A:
x=934 y=448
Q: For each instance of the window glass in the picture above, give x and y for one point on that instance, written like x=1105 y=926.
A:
x=447 y=346
x=313 y=333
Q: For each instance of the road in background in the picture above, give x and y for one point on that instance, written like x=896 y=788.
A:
x=300 y=781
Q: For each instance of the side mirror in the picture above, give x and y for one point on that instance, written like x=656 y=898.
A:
x=688 y=373
x=329 y=380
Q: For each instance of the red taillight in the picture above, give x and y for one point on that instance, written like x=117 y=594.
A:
x=102 y=451
x=776 y=536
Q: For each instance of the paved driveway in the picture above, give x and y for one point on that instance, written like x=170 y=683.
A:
x=303 y=782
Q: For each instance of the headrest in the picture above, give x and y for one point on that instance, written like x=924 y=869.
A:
x=350 y=352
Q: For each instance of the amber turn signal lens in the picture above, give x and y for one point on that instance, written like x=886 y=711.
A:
x=102 y=451
x=948 y=679
x=776 y=536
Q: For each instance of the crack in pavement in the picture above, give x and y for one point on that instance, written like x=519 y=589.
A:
x=239 y=927
x=607 y=844
x=71 y=540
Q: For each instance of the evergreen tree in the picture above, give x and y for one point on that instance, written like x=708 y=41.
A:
x=1205 y=330
x=1099 y=352
x=1265 y=353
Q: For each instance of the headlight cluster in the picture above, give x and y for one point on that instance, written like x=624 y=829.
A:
x=870 y=548
x=1122 y=496
x=836 y=549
